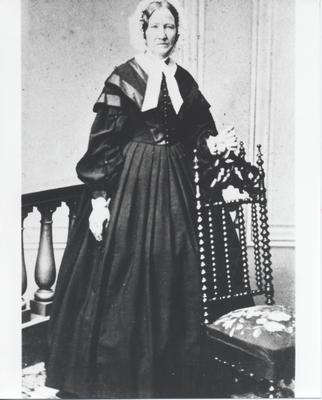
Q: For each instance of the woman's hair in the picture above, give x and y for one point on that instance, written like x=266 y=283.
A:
x=156 y=5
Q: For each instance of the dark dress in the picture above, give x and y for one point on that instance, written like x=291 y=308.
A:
x=126 y=318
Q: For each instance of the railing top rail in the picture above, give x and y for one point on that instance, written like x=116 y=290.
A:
x=51 y=195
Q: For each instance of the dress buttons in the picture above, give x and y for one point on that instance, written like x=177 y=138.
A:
x=166 y=112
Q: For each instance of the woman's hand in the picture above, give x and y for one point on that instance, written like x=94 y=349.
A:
x=225 y=141
x=99 y=215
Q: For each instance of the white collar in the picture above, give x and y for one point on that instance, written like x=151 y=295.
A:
x=154 y=67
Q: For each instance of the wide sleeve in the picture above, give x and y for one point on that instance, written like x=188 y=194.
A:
x=102 y=163
x=199 y=121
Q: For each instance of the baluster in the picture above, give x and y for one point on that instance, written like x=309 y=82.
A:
x=266 y=249
x=225 y=237
x=201 y=236
x=25 y=311
x=72 y=204
x=45 y=270
x=258 y=270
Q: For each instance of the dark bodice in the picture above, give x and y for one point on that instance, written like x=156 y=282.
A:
x=160 y=126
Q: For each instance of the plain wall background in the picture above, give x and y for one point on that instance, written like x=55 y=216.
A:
x=240 y=51
x=69 y=49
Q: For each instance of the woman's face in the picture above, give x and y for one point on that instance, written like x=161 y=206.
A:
x=161 y=33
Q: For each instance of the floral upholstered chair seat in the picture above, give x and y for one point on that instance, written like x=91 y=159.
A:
x=263 y=333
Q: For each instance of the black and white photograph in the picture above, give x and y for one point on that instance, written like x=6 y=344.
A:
x=158 y=204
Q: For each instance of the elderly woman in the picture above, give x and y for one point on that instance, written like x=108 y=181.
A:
x=126 y=320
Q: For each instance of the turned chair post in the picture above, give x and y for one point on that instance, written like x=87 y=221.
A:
x=265 y=241
x=257 y=255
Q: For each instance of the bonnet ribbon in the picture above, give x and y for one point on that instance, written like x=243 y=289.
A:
x=154 y=67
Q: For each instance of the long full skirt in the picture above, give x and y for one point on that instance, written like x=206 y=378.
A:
x=126 y=318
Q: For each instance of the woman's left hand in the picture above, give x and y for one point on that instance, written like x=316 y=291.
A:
x=225 y=141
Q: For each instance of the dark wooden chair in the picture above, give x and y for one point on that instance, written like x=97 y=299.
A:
x=254 y=341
